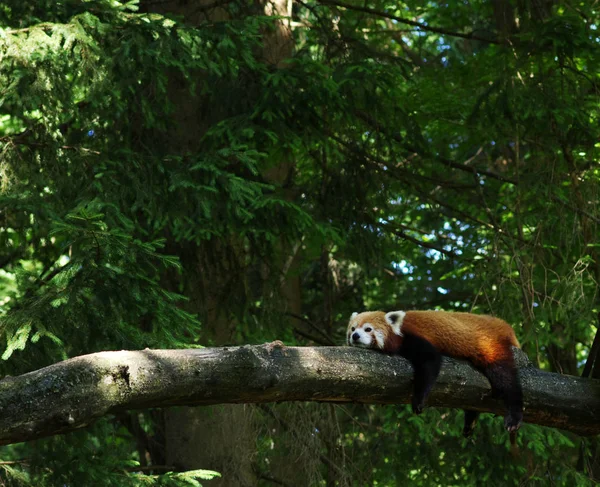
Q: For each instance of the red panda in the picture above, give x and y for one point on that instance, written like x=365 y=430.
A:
x=424 y=336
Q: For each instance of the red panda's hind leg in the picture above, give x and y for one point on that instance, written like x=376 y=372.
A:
x=426 y=361
x=470 y=421
x=503 y=377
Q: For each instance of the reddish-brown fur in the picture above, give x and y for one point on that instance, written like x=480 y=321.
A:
x=481 y=339
x=423 y=336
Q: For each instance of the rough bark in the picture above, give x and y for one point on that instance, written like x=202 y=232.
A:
x=73 y=393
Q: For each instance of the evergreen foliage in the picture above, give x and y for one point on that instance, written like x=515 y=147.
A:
x=164 y=184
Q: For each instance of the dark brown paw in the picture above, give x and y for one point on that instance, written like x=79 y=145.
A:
x=512 y=421
x=468 y=432
x=418 y=408
x=470 y=422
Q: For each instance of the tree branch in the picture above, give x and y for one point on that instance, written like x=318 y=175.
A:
x=420 y=25
x=74 y=393
x=443 y=160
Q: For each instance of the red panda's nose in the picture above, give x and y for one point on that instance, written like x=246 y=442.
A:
x=355 y=336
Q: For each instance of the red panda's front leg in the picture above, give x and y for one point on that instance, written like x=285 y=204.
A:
x=426 y=361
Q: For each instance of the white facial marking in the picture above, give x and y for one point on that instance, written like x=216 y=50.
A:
x=395 y=319
x=352 y=324
x=360 y=338
x=379 y=338
x=359 y=335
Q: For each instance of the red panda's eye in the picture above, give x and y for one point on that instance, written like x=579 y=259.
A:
x=368 y=329
x=353 y=328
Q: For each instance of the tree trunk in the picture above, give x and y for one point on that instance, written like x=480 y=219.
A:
x=221 y=438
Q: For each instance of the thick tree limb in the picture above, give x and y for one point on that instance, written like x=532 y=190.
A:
x=73 y=393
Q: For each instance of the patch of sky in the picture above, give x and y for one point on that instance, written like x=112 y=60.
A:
x=458 y=240
x=403 y=267
x=433 y=254
x=443 y=45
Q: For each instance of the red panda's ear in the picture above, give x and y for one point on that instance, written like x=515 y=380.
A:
x=393 y=316
x=395 y=319
x=353 y=315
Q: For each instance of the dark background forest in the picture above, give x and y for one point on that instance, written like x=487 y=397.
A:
x=190 y=173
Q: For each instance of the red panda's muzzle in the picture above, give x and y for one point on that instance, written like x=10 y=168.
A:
x=361 y=338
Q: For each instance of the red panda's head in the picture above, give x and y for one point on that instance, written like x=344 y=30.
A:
x=374 y=329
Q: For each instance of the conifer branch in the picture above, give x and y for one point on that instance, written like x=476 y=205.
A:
x=419 y=25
